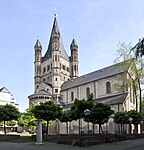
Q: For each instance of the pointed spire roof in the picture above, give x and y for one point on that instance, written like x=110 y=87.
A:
x=38 y=44
x=48 y=53
x=55 y=28
x=73 y=43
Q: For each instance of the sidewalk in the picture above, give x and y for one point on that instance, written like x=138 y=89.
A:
x=137 y=144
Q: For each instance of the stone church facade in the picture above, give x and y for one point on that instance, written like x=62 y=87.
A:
x=54 y=68
x=57 y=78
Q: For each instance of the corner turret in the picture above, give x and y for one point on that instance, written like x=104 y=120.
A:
x=38 y=57
x=74 y=59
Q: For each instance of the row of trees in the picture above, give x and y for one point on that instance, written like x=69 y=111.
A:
x=88 y=110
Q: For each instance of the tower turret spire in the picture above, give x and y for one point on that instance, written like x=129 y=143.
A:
x=38 y=57
x=37 y=44
x=55 y=28
x=74 y=59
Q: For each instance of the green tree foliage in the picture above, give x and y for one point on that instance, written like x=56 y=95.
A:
x=137 y=117
x=100 y=113
x=47 y=111
x=77 y=109
x=8 y=113
x=11 y=123
x=66 y=117
x=27 y=118
x=136 y=76
x=121 y=118
x=139 y=48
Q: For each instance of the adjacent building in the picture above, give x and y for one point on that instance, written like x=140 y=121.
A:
x=6 y=97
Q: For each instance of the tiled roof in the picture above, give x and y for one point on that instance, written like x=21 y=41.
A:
x=48 y=53
x=40 y=93
x=114 y=99
x=96 y=75
x=111 y=100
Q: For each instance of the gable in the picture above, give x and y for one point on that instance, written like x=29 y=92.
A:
x=44 y=88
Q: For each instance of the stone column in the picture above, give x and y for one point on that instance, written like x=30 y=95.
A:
x=39 y=132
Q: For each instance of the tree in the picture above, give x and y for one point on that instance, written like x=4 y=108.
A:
x=137 y=117
x=125 y=53
x=27 y=118
x=8 y=113
x=11 y=123
x=77 y=109
x=139 y=48
x=121 y=118
x=100 y=114
x=89 y=105
x=66 y=117
x=47 y=111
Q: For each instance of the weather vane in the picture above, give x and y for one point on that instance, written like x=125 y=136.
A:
x=37 y=37
x=55 y=14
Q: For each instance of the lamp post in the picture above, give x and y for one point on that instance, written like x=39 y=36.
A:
x=87 y=113
x=130 y=122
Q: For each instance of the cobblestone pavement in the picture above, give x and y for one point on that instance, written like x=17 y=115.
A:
x=137 y=144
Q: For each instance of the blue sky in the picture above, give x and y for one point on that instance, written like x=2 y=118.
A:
x=97 y=26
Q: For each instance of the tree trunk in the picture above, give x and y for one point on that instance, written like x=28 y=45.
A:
x=4 y=127
x=136 y=128
x=130 y=127
x=99 y=128
x=140 y=95
x=118 y=128
x=47 y=128
x=121 y=128
x=67 y=127
x=79 y=126
x=135 y=93
x=93 y=128
x=88 y=127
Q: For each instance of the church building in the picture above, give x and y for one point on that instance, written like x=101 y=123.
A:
x=54 y=68
x=57 y=78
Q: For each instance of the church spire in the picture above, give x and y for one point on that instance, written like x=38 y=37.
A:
x=74 y=59
x=73 y=44
x=55 y=28
x=38 y=44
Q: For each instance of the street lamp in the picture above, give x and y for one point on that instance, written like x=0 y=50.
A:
x=112 y=116
x=130 y=122
x=87 y=113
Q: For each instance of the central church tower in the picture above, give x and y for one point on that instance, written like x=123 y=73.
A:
x=54 y=68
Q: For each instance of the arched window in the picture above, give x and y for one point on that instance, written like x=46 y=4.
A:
x=75 y=67
x=55 y=57
x=108 y=87
x=87 y=92
x=72 y=96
